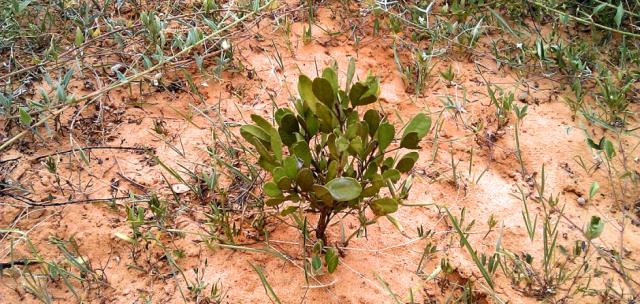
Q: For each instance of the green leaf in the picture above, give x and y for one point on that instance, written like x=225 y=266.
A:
x=267 y=288
x=330 y=75
x=372 y=169
x=395 y=222
x=288 y=127
x=387 y=163
x=323 y=91
x=25 y=118
x=280 y=113
x=323 y=194
x=384 y=206
x=305 y=88
x=356 y=92
x=593 y=189
x=289 y=210
x=278 y=173
x=305 y=179
x=262 y=123
x=503 y=24
x=301 y=150
x=290 y=165
x=372 y=190
x=79 y=39
x=331 y=259
x=125 y=237
x=609 y=149
x=406 y=163
x=372 y=117
x=595 y=228
x=342 y=144
x=420 y=124
x=284 y=183
x=391 y=174
x=266 y=164
x=272 y=190
x=593 y=145
x=356 y=145
x=332 y=170
x=598 y=8
x=351 y=71
x=410 y=141
x=316 y=263
x=327 y=119
x=619 y=15
x=371 y=95
x=472 y=252
x=386 y=132
x=255 y=131
x=275 y=201
x=344 y=189
x=276 y=144
x=262 y=150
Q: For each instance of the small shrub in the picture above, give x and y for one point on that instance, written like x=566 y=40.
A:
x=325 y=158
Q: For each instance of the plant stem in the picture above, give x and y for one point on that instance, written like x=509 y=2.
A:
x=323 y=223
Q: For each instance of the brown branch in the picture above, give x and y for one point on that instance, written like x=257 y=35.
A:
x=93 y=148
x=33 y=203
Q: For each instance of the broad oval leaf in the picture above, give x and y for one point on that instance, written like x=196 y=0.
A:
x=323 y=194
x=384 y=206
x=284 y=183
x=305 y=179
x=331 y=259
x=410 y=141
x=276 y=144
x=254 y=131
x=290 y=165
x=332 y=169
x=323 y=91
x=272 y=190
x=420 y=124
x=356 y=92
x=275 y=201
x=301 y=150
x=406 y=163
x=330 y=75
x=262 y=123
x=25 y=118
x=316 y=263
x=280 y=113
x=595 y=228
x=372 y=117
x=386 y=132
x=344 y=189
x=288 y=127
x=305 y=88
x=327 y=118
x=391 y=174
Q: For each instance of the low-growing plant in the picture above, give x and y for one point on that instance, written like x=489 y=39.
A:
x=503 y=102
x=325 y=158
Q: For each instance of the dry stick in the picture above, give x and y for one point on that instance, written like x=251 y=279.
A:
x=33 y=203
x=98 y=93
x=93 y=148
x=79 y=149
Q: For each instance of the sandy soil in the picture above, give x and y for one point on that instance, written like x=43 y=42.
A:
x=550 y=137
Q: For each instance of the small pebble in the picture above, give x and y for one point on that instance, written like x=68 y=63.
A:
x=582 y=201
x=523 y=96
